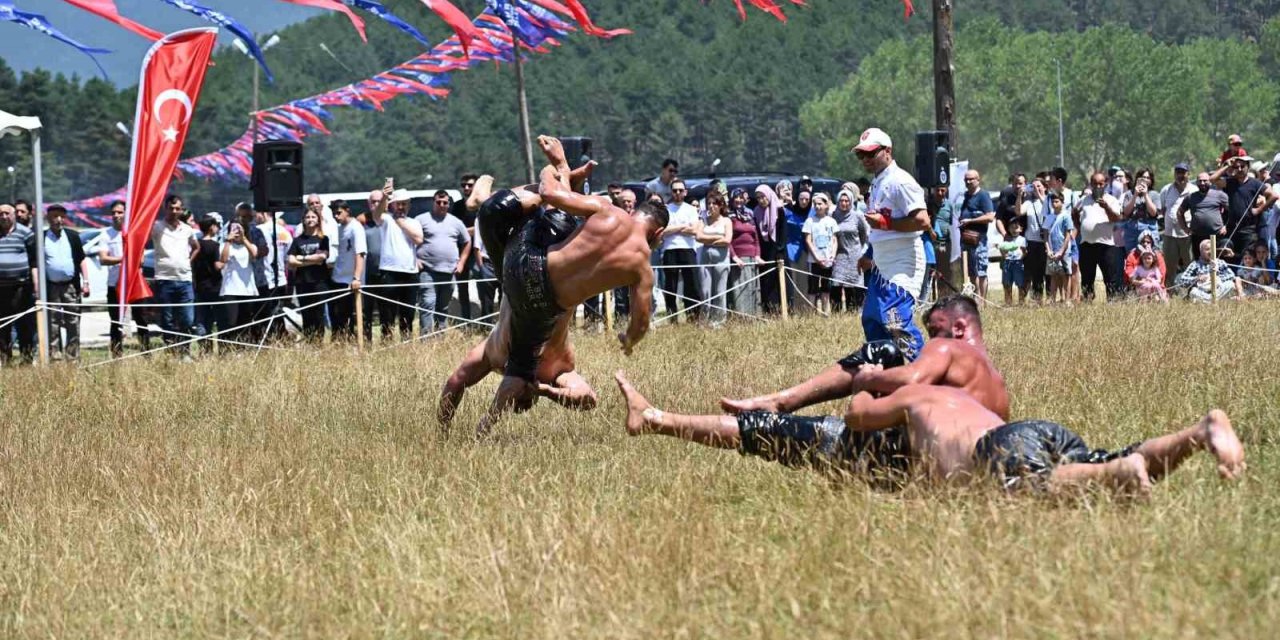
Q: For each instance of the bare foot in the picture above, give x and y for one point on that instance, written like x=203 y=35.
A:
x=1131 y=475
x=636 y=405
x=735 y=407
x=1223 y=444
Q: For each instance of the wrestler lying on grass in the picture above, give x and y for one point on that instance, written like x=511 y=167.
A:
x=953 y=437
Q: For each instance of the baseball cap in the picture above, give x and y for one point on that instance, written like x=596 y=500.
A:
x=1248 y=159
x=873 y=139
x=400 y=195
x=1181 y=166
x=1235 y=137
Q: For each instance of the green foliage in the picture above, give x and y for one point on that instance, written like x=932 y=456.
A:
x=695 y=83
x=1127 y=99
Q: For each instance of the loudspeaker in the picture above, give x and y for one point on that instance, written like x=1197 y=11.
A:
x=277 y=175
x=933 y=159
x=577 y=150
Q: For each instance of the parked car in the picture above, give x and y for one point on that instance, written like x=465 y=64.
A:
x=92 y=240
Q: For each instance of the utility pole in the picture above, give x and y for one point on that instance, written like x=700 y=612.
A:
x=944 y=103
x=526 y=140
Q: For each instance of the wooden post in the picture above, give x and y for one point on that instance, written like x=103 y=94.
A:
x=359 y=320
x=964 y=265
x=782 y=289
x=42 y=329
x=608 y=311
x=522 y=104
x=944 y=98
x=1213 y=264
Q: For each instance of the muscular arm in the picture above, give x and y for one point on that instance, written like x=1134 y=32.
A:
x=917 y=220
x=641 y=307
x=930 y=368
x=871 y=414
x=555 y=191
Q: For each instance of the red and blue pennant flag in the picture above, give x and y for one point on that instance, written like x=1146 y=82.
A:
x=334 y=5
x=223 y=20
x=39 y=23
x=456 y=19
x=377 y=9
x=107 y=9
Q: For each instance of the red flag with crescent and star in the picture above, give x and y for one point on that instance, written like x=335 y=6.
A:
x=172 y=74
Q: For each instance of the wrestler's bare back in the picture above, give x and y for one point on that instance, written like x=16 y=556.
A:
x=943 y=423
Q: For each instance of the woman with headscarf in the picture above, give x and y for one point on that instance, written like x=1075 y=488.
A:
x=797 y=254
x=847 y=288
x=744 y=251
x=767 y=216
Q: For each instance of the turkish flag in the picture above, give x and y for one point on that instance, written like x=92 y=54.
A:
x=172 y=74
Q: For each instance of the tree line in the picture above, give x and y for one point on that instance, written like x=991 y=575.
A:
x=697 y=84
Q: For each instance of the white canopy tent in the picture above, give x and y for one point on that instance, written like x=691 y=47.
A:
x=17 y=125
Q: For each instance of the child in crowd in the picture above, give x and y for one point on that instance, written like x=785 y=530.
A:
x=820 y=240
x=1012 y=250
x=1062 y=231
x=1254 y=277
x=1148 y=279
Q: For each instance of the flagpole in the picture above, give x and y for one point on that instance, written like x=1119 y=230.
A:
x=42 y=330
x=523 y=103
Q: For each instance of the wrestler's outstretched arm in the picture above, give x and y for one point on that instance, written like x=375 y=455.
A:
x=930 y=368
x=641 y=309
x=473 y=369
x=556 y=192
x=480 y=192
x=867 y=413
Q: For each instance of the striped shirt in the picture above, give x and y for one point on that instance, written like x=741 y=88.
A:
x=17 y=254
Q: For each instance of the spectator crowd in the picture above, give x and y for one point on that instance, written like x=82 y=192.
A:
x=232 y=277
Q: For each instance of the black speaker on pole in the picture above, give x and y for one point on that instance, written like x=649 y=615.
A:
x=577 y=150
x=933 y=159
x=277 y=175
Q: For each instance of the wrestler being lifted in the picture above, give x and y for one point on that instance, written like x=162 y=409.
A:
x=953 y=437
x=548 y=264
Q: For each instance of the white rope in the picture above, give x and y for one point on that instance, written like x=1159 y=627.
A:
x=8 y=320
x=704 y=302
x=214 y=335
x=156 y=329
x=438 y=313
x=158 y=305
x=424 y=284
x=428 y=335
x=805 y=297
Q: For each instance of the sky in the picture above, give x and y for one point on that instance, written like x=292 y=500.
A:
x=24 y=49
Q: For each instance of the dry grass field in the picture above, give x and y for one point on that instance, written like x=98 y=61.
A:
x=310 y=494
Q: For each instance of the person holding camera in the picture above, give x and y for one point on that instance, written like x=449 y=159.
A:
x=239 y=289
x=1247 y=199
x=1098 y=212
x=1141 y=211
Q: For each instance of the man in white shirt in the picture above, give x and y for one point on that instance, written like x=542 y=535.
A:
x=1177 y=242
x=679 y=253
x=401 y=236
x=1099 y=211
x=348 y=269
x=894 y=263
x=175 y=246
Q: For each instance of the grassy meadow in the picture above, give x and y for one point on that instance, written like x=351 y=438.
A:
x=310 y=494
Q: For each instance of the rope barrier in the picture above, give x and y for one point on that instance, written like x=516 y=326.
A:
x=437 y=313
x=427 y=335
x=156 y=329
x=160 y=305
x=704 y=302
x=8 y=320
x=715 y=306
x=215 y=335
